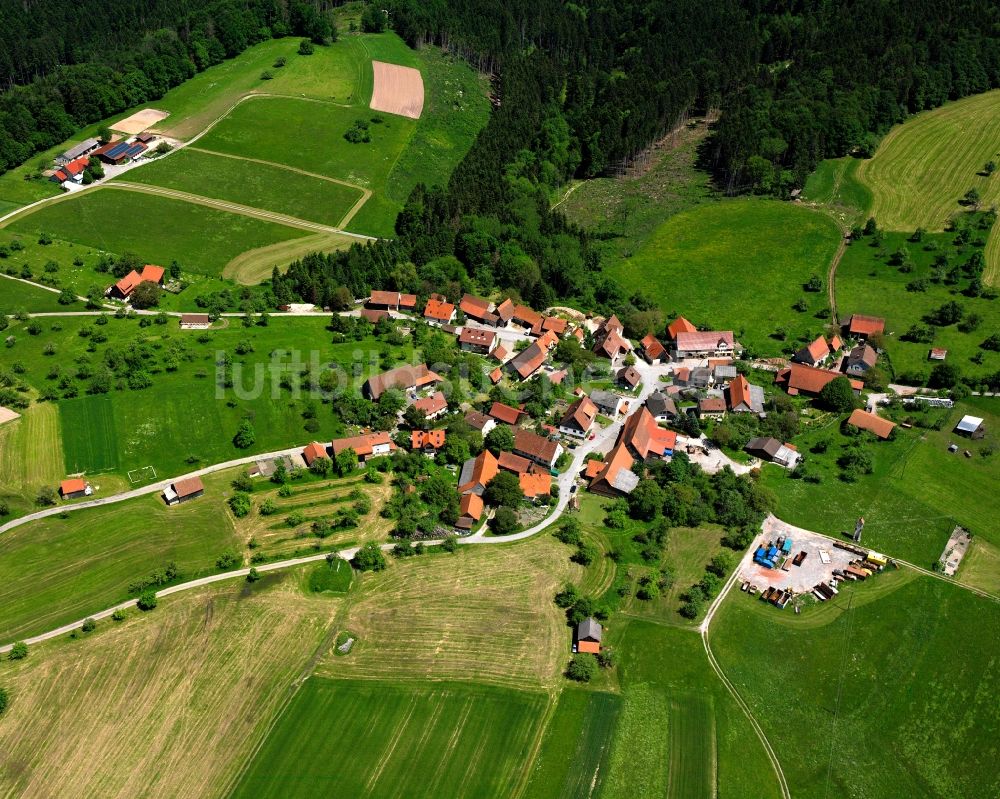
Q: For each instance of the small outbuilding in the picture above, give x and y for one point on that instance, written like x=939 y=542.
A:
x=195 y=321
x=971 y=427
x=588 y=636
x=74 y=488
x=183 y=490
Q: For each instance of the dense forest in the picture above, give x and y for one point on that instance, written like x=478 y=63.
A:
x=580 y=86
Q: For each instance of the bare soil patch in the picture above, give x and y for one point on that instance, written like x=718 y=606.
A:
x=7 y=415
x=398 y=90
x=140 y=121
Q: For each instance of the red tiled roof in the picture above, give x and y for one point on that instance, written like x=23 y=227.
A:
x=739 y=392
x=802 y=378
x=127 y=284
x=712 y=405
x=364 y=444
x=618 y=460
x=866 y=325
x=505 y=310
x=652 y=346
x=195 y=319
x=441 y=311
x=580 y=414
x=704 y=340
x=384 y=298
x=527 y=362
x=477 y=338
x=548 y=340
x=680 y=325
x=526 y=316
x=555 y=378
x=71 y=486
x=612 y=344
x=505 y=413
x=579 y=334
x=629 y=375
x=312 y=452
x=535 y=446
x=471 y=505
x=473 y=306
x=495 y=375
x=645 y=436
x=818 y=350
x=484 y=469
x=555 y=324
x=188 y=486
x=835 y=344
x=593 y=469
x=152 y=273
x=513 y=463
x=499 y=353
x=433 y=439
x=872 y=423
x=402 y=377
x=612 y=324
x=535 y=484
x=435 y=403
x=374 y=315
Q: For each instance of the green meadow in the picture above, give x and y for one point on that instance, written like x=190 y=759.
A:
x=17 y=296
x=835 y=185
x=888 y=691
x=89 y=433
x=265 y=186
x=738 y=265
x=157 y=229
x=370 y=738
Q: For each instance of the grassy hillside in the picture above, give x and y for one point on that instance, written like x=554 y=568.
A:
x=893 y=697
x=367 y=738
x=737 y=265
x=836 y=186
x=16 y=296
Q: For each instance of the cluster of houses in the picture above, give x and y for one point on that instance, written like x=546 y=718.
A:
x=71 y=164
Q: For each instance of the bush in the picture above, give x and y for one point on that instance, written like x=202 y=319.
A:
x=369 y=558
x=582 y=668
x=504 y=521
x=4 y=700
x=147 y=600
x=239 y=504
x=253 y=575
x=18 y=652
x=305 y=47
x=89 y=625
x=269 y=507
x=450 y=544
x=118 y=615
x=228 y=560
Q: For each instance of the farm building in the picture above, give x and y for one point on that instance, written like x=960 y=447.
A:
x=614 y=476
x=312 y=452
x=723 y=373
x=528 y=361
x=678 y=326
x=526 y=317
x=432 y=406
x=743 y=397
x=579 y=418
x=588 y=636
x=476 y=340
x=645 y=439
x=480 y=421
x=391 y=301
x=607 y=402
x=555 y=325
x=404 y=378
x=496 y=375
x=860 y=360
x=814 y=354
x=71 y=171
x=971 y=427
x=705 y=344
x=365 y=446
x=427 y=440
x=699 y=377
x=628 y=377
x=477 y=472
x=801 y=379
x=438 y=310
x=121 y=153
x=652 y=350
x=77 y=150
x=470 y=508
x=661 y=407
x=535 y=484
x=609 y=341
x=515 y=464
x=499 y=353
x=195 y=321
x=183 y=490
x=711 y=408
x=124 y=287
x=770 y=449
x=873 y=424
x=505 y=413
x=505 y=311
x=477 y=308
x=73 y=488
x=861 y=326
x=537 y=448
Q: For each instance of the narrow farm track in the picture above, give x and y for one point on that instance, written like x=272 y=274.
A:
x=831 y=281
x=235 y=208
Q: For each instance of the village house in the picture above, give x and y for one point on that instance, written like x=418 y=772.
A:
x=528 y=361
x=588 y=636
x=313 y=451
x=744 y=397
x=678 y=326
x=74 y=488
x=480 y=421
x=614 y=476
x=477 y=340
x=814 y=354
x=723 y=373
x=661 y=407
x=72 y=171
x=506 y=414
x=515 y=464
x=391 y=301
x=579 y=418
x=645 y=439
x=711 y=408
x=477 y=472
x=365 y=446
x=535 y=484
x=537 y=448
x=860 y=360
x=499 y=354
x=505 y=312
x=477 y=308
x=801 y=379
x=526 y=317
x=427 y=441
x=652 y=350
x=772 y=450
x=863 y=420
x=607 y=402
x=123 y=289
x=432 y=406
x=609 y=341
x=403 y=378
x=861 y=326
x=195 y=321
x=183 y=490
x=438 y=310
x=628 y=377
x=555 y=325
x=705 y=344
x=470 y=509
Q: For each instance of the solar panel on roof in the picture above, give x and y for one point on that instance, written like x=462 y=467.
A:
x=134 y=150
x=117 y=150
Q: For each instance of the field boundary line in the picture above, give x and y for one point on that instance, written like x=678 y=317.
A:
x=550 y=711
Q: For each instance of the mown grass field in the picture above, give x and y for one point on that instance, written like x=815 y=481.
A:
x=254 y=184
x=17 y=296
x=679 y=734
x=573 y=759
x=89 y=434
x=868 y=283
x=770 y=250
x=836 y=186
x=54 y=570
x=203 y=239
x=31 y=456
x=457 y=608
x=367 y=738
x=254 y=266
x=893 y=697
x=164 y=704
x=915 y=496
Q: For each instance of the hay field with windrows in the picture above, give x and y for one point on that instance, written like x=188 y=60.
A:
x=484 y=613
x=165 y=704
x=382 y=739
